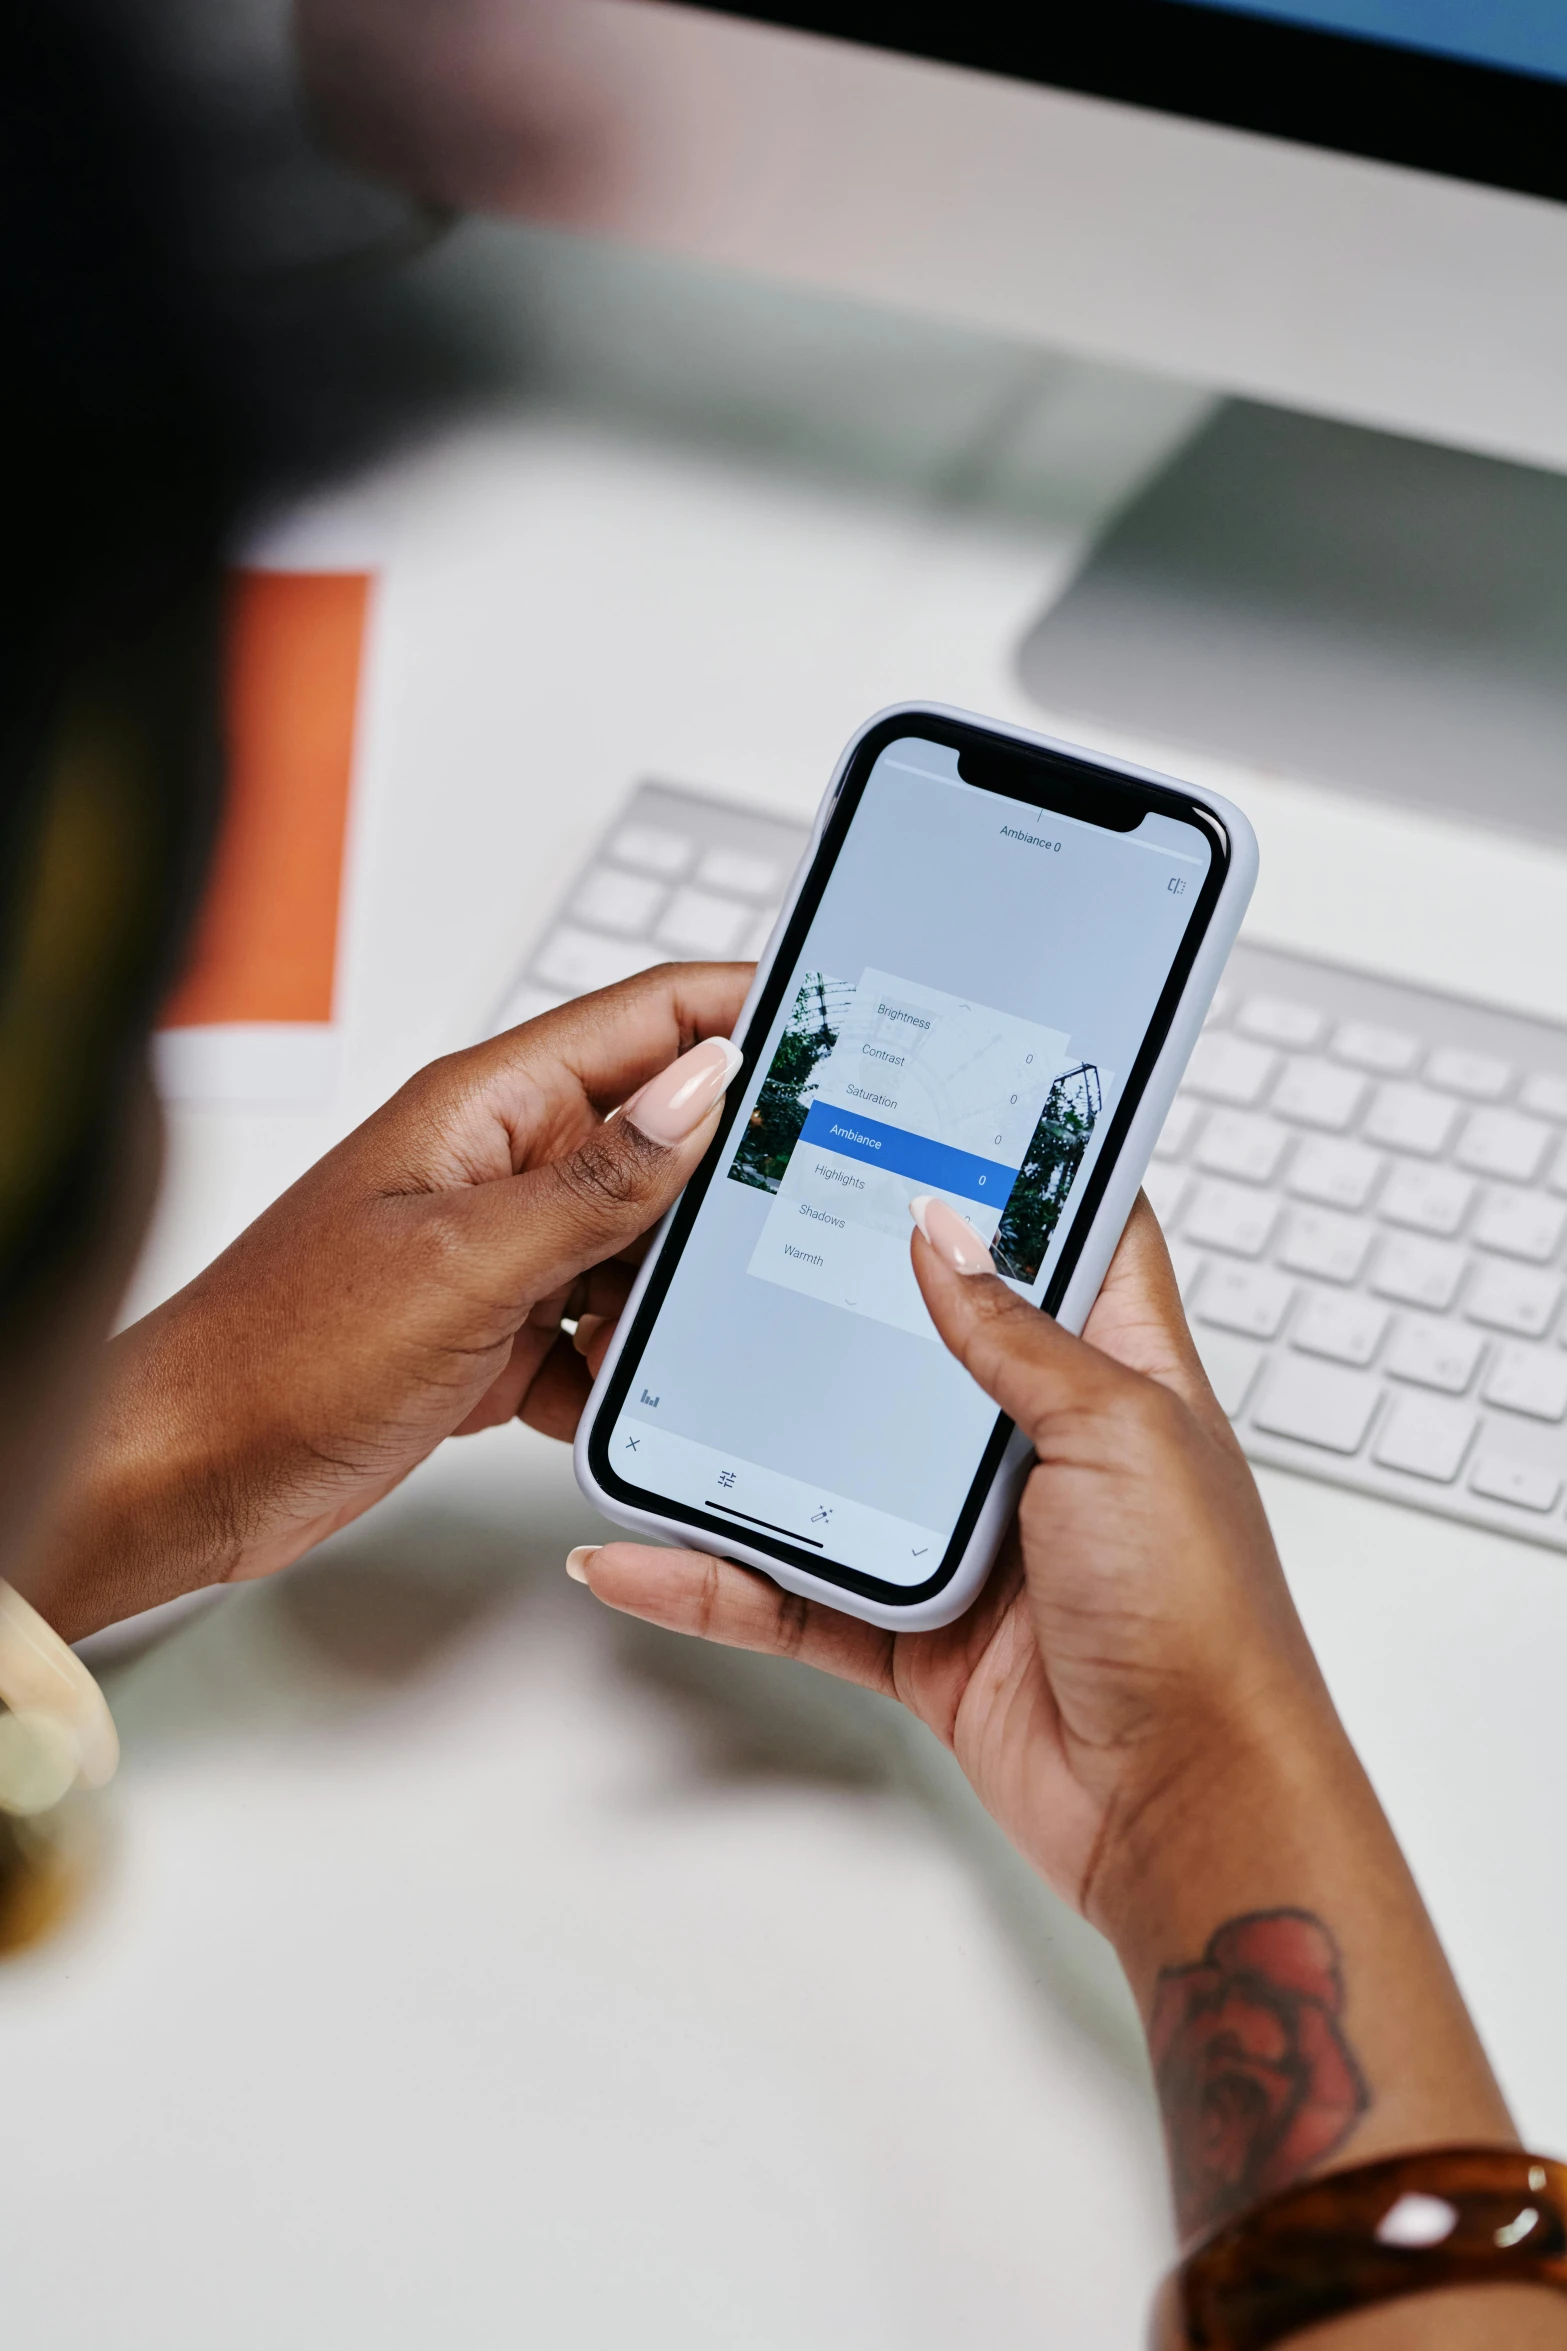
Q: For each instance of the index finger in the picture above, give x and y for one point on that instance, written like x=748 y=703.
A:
x=716 y=1600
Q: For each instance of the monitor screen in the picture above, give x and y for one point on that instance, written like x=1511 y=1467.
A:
x=1521 y=36
x=1473 y=89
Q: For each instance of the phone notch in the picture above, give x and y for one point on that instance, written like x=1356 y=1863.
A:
x=1117 y=804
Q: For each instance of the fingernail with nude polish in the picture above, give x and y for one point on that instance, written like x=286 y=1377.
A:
x=950 y=1235
x=577 y=1561
x=674 y=1104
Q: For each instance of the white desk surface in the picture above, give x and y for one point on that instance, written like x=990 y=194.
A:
x=471 y=1967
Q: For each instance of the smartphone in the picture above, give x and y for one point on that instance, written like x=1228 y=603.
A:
x=993 y=964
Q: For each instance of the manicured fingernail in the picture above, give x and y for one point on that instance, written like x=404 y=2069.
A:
x=674 y=1104
x=577 y=1561
x=950 y=1235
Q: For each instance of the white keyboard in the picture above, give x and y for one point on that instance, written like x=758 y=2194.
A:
x=1365 y=1189
x=1364 y=1185
x=677 y=877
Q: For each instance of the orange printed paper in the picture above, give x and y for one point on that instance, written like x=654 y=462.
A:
x=265 y=945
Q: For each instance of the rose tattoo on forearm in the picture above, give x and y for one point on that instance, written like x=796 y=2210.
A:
x=1257 y=2081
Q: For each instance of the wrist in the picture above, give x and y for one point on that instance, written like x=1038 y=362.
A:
x=1216 y=1805
x=146 y=1514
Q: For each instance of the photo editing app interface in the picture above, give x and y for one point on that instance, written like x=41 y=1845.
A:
x=975 y=987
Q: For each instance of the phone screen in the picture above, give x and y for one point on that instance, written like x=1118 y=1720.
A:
x=975 y=994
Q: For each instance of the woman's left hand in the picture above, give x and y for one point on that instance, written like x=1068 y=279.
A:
x=412 y=1286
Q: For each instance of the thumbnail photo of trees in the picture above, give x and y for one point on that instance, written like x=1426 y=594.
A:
x=1043 y=1182
x=785 y=1098
x=1049 y=1170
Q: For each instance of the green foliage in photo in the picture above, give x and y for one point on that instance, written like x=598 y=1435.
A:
x=1049 y=1170
x=774 y=1126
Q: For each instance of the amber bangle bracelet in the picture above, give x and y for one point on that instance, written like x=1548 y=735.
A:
x=1449 y=2216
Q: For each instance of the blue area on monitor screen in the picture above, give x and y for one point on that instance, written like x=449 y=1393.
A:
x=1526 y=36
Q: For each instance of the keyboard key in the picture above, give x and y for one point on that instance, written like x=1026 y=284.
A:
x=1428 y=1199
x=1527 y=1379
x=1546 y=1095
x=1510 y=1298
x=1319 y=1404
x=1479 y=1075
x=1501 y=1143
x=697 y=924
x=1520 y=1224
x=1176 y=1132
x=1238 y=1143
x=575 y=961
x=737 y=871
x=1222 y=1216
x=1249 y=1298
x=614 y=901
x=1231 y=1364
x=1425 y=1437
x=1319 y=1241
x=1166 y=1188
x=1410 y=1118
x=1227 y=1069
x=1522 y=1482
x=1387 y=1053
x=1349 y=1330
x=1220 y=1005
x=651 y=848
x=1434 y=1354
x=1339 y=1175
x=1418 y=1273
x=1557 y=1175
x=1276 y=1020
x=1317 y=1095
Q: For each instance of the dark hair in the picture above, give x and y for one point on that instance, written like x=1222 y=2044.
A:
x=156 y=384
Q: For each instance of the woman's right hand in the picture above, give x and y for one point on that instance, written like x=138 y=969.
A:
x=1135 y=1701
x=1137 y=1629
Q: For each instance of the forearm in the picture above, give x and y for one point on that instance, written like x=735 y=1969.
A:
x=197 y=1465
x=1300 y=2008
x=142 y=1514
x=1302 y=2016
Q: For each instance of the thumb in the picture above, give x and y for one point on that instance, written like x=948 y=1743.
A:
x=1021 y=1357
x=548 y=1226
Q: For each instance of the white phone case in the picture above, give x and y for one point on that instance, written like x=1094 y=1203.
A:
x=1098 y=1245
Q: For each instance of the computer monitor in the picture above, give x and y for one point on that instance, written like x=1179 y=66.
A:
x=1351 y=214
x=1351 y=207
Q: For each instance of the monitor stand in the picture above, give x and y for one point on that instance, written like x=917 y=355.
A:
x=1336 y=605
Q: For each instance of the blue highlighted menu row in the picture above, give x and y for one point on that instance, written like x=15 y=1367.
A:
x=902 y=1154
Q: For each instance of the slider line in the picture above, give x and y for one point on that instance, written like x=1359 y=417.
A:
x=771 y=1525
